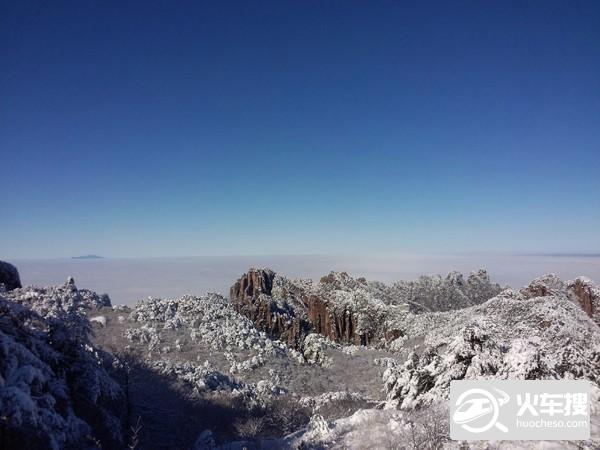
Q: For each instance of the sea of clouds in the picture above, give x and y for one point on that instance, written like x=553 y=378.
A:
x=127 y=280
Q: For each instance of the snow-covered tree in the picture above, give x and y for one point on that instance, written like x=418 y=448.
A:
x=55 y=391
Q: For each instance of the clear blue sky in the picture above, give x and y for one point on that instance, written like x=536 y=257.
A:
x=160 y=128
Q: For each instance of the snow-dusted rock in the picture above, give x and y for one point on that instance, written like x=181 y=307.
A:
x=587 y=295
x=581 y=291
x=101 y=320
x=348 y=310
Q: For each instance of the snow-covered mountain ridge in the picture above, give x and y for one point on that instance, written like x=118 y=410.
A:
x=348 y=310
x=280 y=364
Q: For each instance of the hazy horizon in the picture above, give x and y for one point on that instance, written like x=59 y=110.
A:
x=127 y=280
x=591 y=253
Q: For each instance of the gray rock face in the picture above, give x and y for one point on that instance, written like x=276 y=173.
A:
x=9 y=276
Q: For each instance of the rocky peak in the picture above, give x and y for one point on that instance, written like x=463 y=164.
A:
x=581 y=291
x=253 y=283
x=251 y=295
x=339 y=307
x=289 y=310
x=9 y=276
x=587 y=295
x=353 y=311
x=543 y=286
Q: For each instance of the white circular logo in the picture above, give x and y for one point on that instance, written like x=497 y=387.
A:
x=477 y=403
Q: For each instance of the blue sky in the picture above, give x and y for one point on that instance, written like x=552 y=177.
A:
x=205 y=128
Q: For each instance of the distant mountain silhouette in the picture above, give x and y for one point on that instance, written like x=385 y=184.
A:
x=87 y=257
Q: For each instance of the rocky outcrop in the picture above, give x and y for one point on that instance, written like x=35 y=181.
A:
x=337 y=326
x=353 y=311
x=251 y=296
x=291 y=317
x=581 y=291
x=587 y=295
x=544 y=286
x=9 y=276
x=252 y=284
